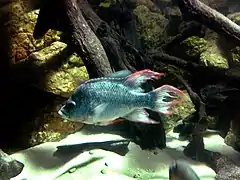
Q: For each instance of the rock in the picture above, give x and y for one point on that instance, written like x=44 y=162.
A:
x=232 y=140
x=42 y=56
x=216 y=4
x=20 y=28
x=51 y=126
x=194 y=46
x=235 y=51
x=150 y=27
x=46 y=63
x=236 y=54
x=53 y=70
x=149 y=4
x=174 y=16
x=64 y=82
x=204 y=49
x=235 y=17
x=213 y=56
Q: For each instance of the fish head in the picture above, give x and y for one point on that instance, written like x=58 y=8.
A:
x=76 y=108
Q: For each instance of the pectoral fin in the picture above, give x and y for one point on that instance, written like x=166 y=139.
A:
x=99 y=109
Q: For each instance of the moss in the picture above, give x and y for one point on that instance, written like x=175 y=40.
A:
x=150 y=26
x=214 y=59
x=213 y=56
x=235 y=17
x=52 y=72
x=236 y=54
x=75 y=61
x=64 y=82
x=107 y=3
x=194 y=46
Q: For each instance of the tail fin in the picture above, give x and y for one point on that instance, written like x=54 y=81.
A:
x=165 y=97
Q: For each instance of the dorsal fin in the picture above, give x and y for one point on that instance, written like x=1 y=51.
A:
x=120 y=74
x=138 y=78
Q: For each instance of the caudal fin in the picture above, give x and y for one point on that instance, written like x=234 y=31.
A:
x=165 y=97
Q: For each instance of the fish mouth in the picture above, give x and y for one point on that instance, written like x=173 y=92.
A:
x=65 y=116
x=62 y=114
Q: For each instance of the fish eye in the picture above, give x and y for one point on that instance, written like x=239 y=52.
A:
x=70 y=104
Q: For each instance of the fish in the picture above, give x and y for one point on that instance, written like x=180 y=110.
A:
x=101 y=101
x=181 y=170
x=9 y=167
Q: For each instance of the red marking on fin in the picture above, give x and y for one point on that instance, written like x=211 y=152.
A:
x=140 y=77
x=166 y=91
x=146 y=113
x=147 y=72
x=116 y=121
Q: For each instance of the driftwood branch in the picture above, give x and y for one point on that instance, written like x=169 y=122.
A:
x=200 y=12
x=197 y=69
x=121 y=53
x=86 y=43
x=192 y=29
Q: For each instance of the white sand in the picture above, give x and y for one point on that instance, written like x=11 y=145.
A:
x=40 y=162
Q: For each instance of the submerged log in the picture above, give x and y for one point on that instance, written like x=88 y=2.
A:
x=86 y=43
x=200 y=12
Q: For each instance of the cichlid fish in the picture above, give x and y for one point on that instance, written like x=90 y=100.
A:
x=180 y=170
x=101 y=101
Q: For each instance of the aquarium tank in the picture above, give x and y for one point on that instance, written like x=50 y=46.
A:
x=120 y=89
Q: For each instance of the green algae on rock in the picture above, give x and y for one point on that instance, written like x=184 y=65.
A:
x=150 y=26
x=64 y=82
x=235 y=17
x=21 y=27
x=236 y=54
x=194 y=46
x=60 y=79
x=213 y=56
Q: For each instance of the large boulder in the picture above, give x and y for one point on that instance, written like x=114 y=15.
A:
x=151 y=26
x=36 y=59
x=53 y=70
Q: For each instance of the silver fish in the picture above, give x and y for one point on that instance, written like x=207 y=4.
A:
x=120 y=95
x=181 y=170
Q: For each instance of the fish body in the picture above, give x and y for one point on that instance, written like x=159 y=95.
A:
x=120 y=95
x=181 y=170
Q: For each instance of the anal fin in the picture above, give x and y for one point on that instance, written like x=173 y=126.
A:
x=140 y=115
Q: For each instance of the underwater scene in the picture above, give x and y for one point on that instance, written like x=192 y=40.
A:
x=120 y=89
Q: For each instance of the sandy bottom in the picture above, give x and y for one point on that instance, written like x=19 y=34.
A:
x=42 y=161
